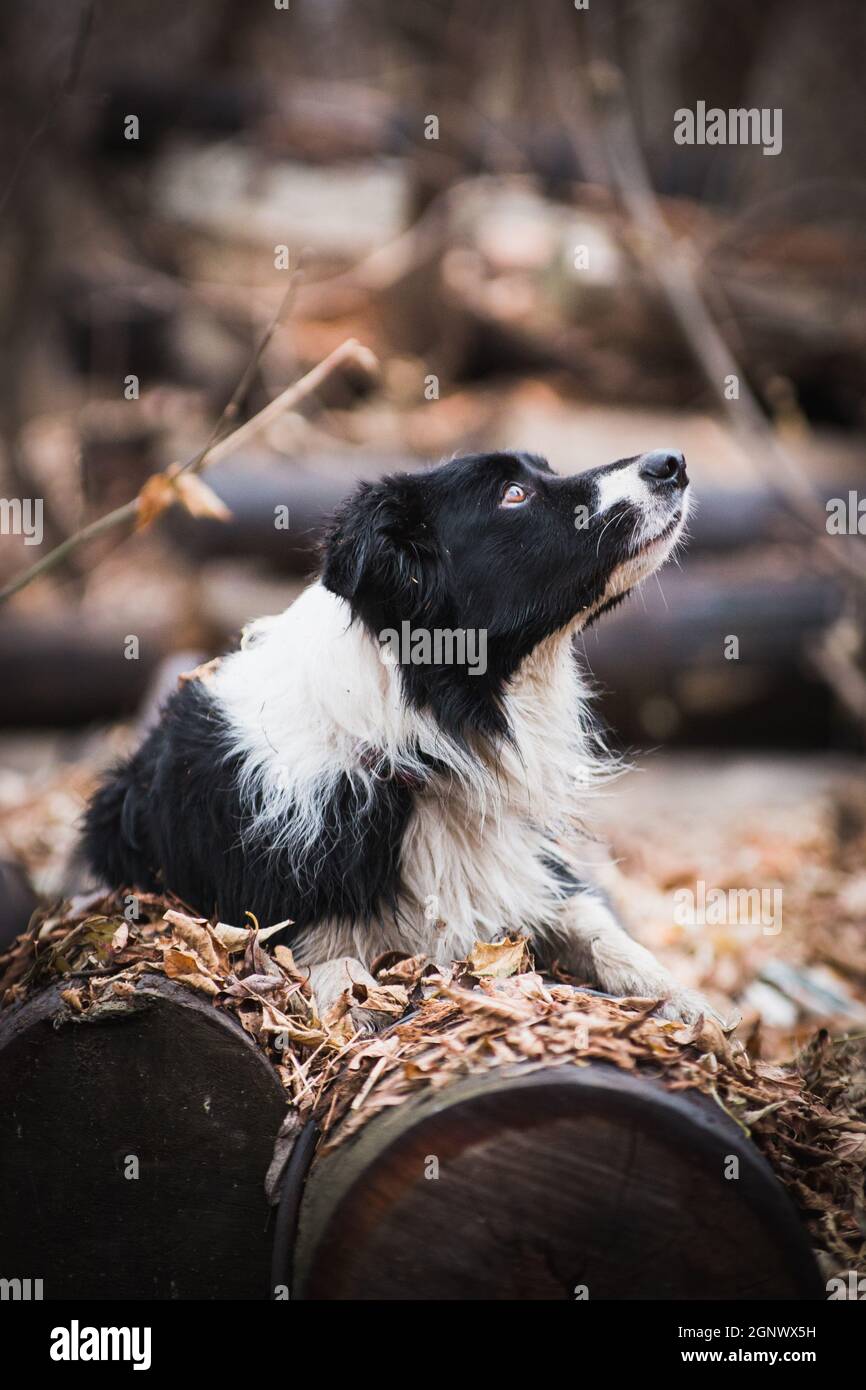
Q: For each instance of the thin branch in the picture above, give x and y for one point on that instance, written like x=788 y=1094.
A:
x=233 y=404
x=836 y=658
x=349 y=351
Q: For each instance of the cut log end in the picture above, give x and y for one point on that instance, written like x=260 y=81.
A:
x=134 y=1150
x=569 y=1183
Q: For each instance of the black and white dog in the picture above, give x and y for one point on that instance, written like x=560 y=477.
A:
x=352 y=769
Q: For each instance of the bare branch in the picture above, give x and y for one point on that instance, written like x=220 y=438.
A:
x=213 y=452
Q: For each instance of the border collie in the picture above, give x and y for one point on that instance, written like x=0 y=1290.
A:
x=396 y=761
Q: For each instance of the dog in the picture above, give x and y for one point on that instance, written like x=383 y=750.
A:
x=362 y=768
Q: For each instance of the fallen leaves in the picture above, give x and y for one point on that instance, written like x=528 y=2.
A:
x=186 y=967
x=107 y=954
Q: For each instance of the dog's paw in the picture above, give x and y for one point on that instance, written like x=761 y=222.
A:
x=347 y=995
x=373 y=1007
x=625 y=968
x=368 y=1021
x=688 y=1005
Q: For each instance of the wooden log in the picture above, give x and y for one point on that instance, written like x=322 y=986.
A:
x=564 y=1183
x=668 y=671
x=660 y=660
x=65 y=671
x=139 y=1137
x=168 y=1087
x=660 y=663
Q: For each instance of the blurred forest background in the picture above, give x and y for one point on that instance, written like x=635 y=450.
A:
x=489 y=197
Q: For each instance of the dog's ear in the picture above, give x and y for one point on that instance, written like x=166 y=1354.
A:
x=381 y=554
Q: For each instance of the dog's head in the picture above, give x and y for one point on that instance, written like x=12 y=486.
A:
x=499 y=545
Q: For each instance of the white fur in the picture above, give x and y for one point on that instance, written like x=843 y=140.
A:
x=307 y=694
x=621 y=485
x=626 y=486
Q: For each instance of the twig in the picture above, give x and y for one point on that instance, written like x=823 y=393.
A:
x=129 y=510
x=233 y=404
x=350 y=350
x=213 y=452
x=836 y=659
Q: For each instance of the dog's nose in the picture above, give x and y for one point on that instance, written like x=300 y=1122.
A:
x=664 y=466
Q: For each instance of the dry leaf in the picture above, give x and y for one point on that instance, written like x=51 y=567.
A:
x=852 y=1147
x=177 y=962
x=182 y=919
x=232 y=939
x=200 y=940
x=382 y=999
x=203 y=983
x=497 y=960
x=186 y=967
x=155 y=497
x=163 y=490
x=199 y=499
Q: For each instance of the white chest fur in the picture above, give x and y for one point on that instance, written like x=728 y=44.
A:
x=308 y=694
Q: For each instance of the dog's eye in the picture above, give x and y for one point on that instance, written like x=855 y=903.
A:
x=514 y=495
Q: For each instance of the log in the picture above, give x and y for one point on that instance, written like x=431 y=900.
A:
x=566 y=1183
x=661 y=662
x=139 y=1136
x=168 y=1081
x=63 y=671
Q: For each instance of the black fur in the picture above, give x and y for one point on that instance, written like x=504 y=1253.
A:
x=170 y=818
x=437 y=550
